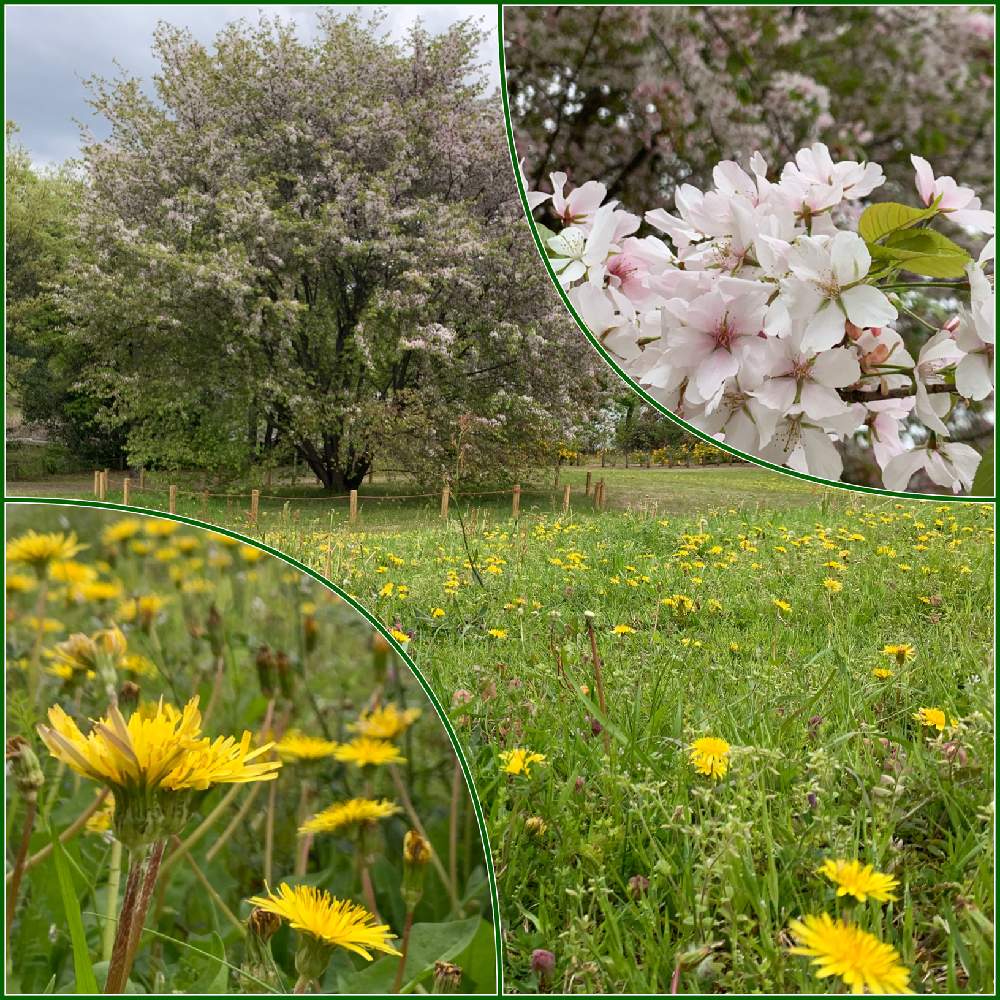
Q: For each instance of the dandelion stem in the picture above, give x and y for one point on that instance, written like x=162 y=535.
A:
x=599 y=683
x=209 y=888
x=71 y=831
x=111 y=903
x=401 y=968
x=20 y=864
x=411 y=813
x=302 y=985
x=456 y=797
x=152 y=868
x=118 y=967
x=272 y=799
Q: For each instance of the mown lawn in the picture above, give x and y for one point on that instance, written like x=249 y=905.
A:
x=827 y=760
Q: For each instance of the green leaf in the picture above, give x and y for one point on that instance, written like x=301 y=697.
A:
x=478 y=961
x=203 y=971
x=544 y=234
x=982 y=485
x=877 y=221
x=85 y=979
x=429 y=943
x=925 y=252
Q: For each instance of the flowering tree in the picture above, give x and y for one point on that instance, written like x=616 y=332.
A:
x=648 y=97
x=319 y=246
x=767 y=316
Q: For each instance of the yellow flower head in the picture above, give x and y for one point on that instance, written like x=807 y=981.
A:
x=401 y=637
x=296 y=745
x=38 y=549
x=623 y=630
x=97 y=591
x=899 y=651
x=933 y=718
x=882 y=673
x=337 y=923
x=497 y=633
x=157 y=527
x=855 y=956
x=20 y=583
x=833 y=586
x=351 y=813
x=141 y=609
x=781 y=605
x=121 y=531
x=860 y=881
x=157 y=752
x=363 y=750
x=72 y=572
x=710 y=756
x=385 y=722
x=77 y=654
x=100 y=821
x=519 y=760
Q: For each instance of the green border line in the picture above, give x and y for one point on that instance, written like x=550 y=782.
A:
x=634 y=386
x=372 y=620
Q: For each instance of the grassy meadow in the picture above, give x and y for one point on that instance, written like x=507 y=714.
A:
x=149 y=609
x=761 y=625
x=839 y=647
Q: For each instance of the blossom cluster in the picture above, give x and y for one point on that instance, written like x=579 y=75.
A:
x=764 y=311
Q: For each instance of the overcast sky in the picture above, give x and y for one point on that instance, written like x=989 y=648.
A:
x=51 y=49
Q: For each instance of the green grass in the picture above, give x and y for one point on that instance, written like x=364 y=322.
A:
x=827 y=760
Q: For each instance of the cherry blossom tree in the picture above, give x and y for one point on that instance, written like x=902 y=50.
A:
x=319 y=246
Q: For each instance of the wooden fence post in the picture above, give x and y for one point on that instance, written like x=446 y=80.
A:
x=515 y=507
x=172 y=500
x=254 y=505
x=599 y=494
x=97 y=482
x=126 y=489
x=445 y=497
x=354 y=506
x=102 y=485
x=566 y=490
x=204 y=505
x=586 y=489
x=142 y=479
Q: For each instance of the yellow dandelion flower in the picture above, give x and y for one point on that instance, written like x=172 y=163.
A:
x=882 y=673
x=141 y=609
x=98 y=591
x=933 y=718
x=497 y=633
x=519 y=760
x=337 y=923
x=363 y=751
x=77 y=654
x=710 y=756
x=157 y=753
x=860 y=881
x=121 y=531
x=19 y=583
x=385 y=722
x=536 y=826
x=901 y=652
x=100 y=821
x=350 y=813
x=158 y=528
x=783 y=606
x=296 y=745
x=623 y=630
x=39 y=549
x=833 y=586
x=437 y=612
x=401 y=637
x=837 y=948
x=72 y=572
x=139 y=665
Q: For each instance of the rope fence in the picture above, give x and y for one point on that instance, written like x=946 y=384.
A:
x=596 y=492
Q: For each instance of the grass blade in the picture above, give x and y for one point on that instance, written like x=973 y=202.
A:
x=85 y=980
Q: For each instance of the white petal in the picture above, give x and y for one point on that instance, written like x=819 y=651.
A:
x=867 y=306
x=825 y=329
x=899 y=471
x=850 y=257
x=974 y=377
x=836 y=368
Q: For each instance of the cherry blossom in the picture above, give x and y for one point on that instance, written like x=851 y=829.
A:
x=758 y=312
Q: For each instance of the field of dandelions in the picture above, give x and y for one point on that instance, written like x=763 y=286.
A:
x=733 y=750
x=220 y=779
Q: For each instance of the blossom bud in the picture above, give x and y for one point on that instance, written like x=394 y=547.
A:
x=128 y=696
x=380 y=655
x=447 y=977
x=416 y=855
x=310 y=632
x=543 y=965
x=28 y=774
x=265 y=671
x=283 y=668
x=638 y=886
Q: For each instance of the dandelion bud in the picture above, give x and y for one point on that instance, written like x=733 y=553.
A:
x=128 y=696
x=638 y=886
x=535 y=825
x=416 y=855
x=213 y=629
x=112 y=642
x=28 y=775
x=380 y=656
x=447 y=977
x=283 y=668
x=265 y=671
x=263 y=924
x=310 y=632
x=543 y=965
x=258 y=960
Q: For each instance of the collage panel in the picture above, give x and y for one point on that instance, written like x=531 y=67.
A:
x=767 y=240
x=221 y=778
x=473 y=524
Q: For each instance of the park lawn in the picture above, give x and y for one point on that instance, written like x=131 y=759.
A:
x=827 y=759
